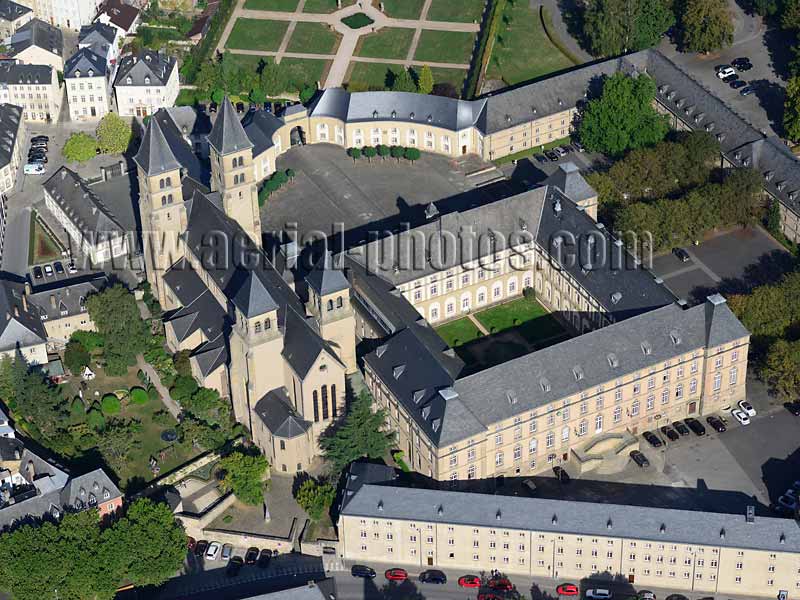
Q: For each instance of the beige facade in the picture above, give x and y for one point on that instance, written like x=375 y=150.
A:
x=39 y=96
x=146 y=97
x=87 y=96
x=9 y=26
x=13 y=130
x=36 y=55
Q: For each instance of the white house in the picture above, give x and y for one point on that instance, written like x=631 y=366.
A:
x=145 y=82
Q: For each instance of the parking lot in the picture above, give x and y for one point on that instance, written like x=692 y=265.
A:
x=729 y=262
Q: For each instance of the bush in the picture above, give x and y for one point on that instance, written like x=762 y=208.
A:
x=163 y=418
x=153 y=394
x=412 y=154
x=76 y=357
x=139 y=396
x=397 y=152
x=80 y=147
x=529 y=293
x=110 y=404
x=77 y=411
x=95 y=420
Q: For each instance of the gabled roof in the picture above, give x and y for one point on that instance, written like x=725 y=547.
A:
x=325 y=279
x=81 y=205
x=85 y=63
x=276 y=412
x=97 y=32
x=38 y=33
x=175 y=126
x=23 y=74
x=302 y=344
x=260 y=126
x=227 y=135
x=119 y=13
x=11 y=11
x=145 y=68
x=155 y=156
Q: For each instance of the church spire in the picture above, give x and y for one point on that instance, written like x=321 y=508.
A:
x=227 y=135
x=155 y=155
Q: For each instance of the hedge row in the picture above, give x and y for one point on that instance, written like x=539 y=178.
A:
x=487 y=37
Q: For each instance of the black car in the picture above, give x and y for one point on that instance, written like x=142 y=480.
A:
x=551 y=155
x=540 y=158
x=58 y=267
x=212 y=108
x=251 y=557
x=695 y=425
x=362 y=571
x=561 y=474
x=738 y=84
x=742 y=60
x=37 y=158
x=240 y=107
x=200 y=548
x=716 y=424
x=268 y=107
x=640 y=459
x=37 y=273
x=680 y=428
x=681 y=254
x=234 y=566
x=730 y=78
x=264 y=558
x=201 y=108
x=670 y=433
x=40 y=138
x=746 y=91
x=793 y=407
x=652 y=439
x=433 y=576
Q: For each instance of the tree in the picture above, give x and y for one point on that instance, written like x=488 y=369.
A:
x=411 y=154
x=116 y=316
x=790 y=19
x=258 y=96
x=404 y=82
x=243 y=474
x=397 y=152
x=315 y=498
x=217 y=96
x=370 y=152
x=791 y=109
x=80 y=147
x=706 y=25
x=617 y=26
x=307 y=93
x=113 y=134
x=383 y=151
x=653 y=19
x=623 y=117
x=355 y=153
x=119 y=440
x=361 y=433
x=273 y=79
x=76 y=357
x=426 y=82
x=782 y=368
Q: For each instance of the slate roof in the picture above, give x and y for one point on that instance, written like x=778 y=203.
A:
x=22 y=74
x=186 y=120
x=11 y=11
x=38 y=33
x=568 y=179
x=78 y=490
x=10 y=120
x=172 y=122
x=227 y=135
x=325 y=278
x=19 y=327
x=145 y=65
x=68 y=296
x=97 y=33
x=571 y=517
x=82 y=206
x=155 y=155
x=85 y=63
x=260 y=126
x=276 y=412
x=302 y=343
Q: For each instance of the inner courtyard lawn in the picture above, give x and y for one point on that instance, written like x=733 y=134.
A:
x=325 y=6
x=522 y=50
x=391 y=42
x=313 y=38
x=529 y=317
x=463 y=11
x=445 y=46
x=459 y=332
x=257 y=34
x=279 y=5
x=403 y=9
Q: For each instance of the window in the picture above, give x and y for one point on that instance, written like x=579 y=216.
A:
x=550 y=439
x=582 y=428
x=598 y=423
x=718 y=362
x=517 y=453
x=498 y=459
x=733 y=376
x=635 y=408
x=532 y=426
x=665 y=396
x=717 y=381
x=651 y=402
x=679 y=391
x=532 y=446
x=498 y=439
x=565 y=434
x=617 y=414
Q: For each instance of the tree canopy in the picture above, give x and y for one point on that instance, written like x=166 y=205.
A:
x=617 y=26
x=315 y=498
x=791 y=109
x=623 y=117
x=116 y=316
x=706 y=25
x=113 y=134
x=425 y=83
x=243 y=474
x=79 y=147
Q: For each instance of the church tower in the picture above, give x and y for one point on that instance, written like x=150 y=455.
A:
x=329 y=303
x=232 y=172
x=161 y=206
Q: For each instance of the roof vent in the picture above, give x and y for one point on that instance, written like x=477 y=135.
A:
x=511 y=397
x=722 y=533
x=498 y=515
x=508 y=118
x=380 y=505
x=780 y=185
x=662 y=89
x=554 y=520
x=616 y=297
x=440 y=510
x=411 y=116
x=609 y=524
x=746 y=162
x=436 y=424
x=782 y=538
x=545 y=385
x=720 y=137
x=613 y=361
x=430 y=118
x=398 y=370
x=680 y=103
x=557 y=207
x=374 y=114
x=710 y=126
x=750 y=515
x=577 y=371
x=675 y=337
x=647 y=349
x=431 y=211
x=792 y=194
x=426 y=410
x=663 y=528
x=671 y=95
x=737 y=155
x=533 y=109
x=381 y=350
x=394 y=114
x=560 y=102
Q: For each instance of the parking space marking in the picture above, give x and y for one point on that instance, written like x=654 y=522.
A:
x=681 y=271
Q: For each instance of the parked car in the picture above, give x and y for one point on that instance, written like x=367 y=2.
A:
x=695 y=425
x=725 y=71
x=540 y=158
x=640 y=459
x=500 y=584
x=37 y=273
x=40 y=138
x=716 y=424
x=396 y=574
x=680 y=428
x=433 y=576
x=578 y=146
x=742 y=63
x=599 y=594
x=72 y=268
x=227 y=550
x=645 y=595
x=213 y=550
x=469 y=581
x=234 y=566
x=561 y=151
x=48 y=270
x=730 y=78
x=551 y=155
x=746 y=91
x=740 y=416
x=40 y=159
x=747 y=408
x=212 y=108
x=793 y=407
x=251 y=556
x=39 y=144
x=33 y=168
x=681 y=254
x=738 y=84
x=362 y=571
x=652 y=439
x=263 y=558
x=200 y=548
x=568 y=589
x=240 y=107
x=58 y=267
x=670 y=433
x=561 y=474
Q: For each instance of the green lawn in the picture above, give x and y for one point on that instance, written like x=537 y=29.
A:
x=43 y=248
x=445 y=46
x=529 y=317
x=305 y=71
x=357 y=21
x=324 y=6
x=373 y=75
x=313 y=38
x=452 y=76
x=391 y=42
x=280 y=5
x=464 y=11
x=257 y=34
x=459 y=332
x=525 y=52
x=403 y=9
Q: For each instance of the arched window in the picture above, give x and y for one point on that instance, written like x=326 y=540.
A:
x=268 y=324
x=324 y=402
x=316 y=406
x=169 y=181
x=163 y=200
x=169 y=198
x=161 y=184
x=241 y=161
x=330 y=304
x=233 y=162
x=333 y=400
x=339 y=302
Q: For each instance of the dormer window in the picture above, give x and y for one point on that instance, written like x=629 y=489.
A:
x=128 y=80
x=147 y=80
x=77 y=73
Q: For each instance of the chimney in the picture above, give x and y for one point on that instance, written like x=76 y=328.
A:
x=52 y=300
x=25 y=300
x=28 y=289
x=16 y=311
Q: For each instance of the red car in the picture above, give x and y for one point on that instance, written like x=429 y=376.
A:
x=396 y=574
x=567 y=589
x=469 y=581
x=501 y=584
x=489 y=597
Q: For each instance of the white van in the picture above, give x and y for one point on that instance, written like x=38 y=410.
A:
x=33 y=169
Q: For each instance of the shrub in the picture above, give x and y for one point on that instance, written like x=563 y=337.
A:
x=77 y=411
x=96 y=420
x=110 y=404
x=357 y=21
x=397 y=152
x=529 y=293
x=162 y=418
x=139 y=396
x=354 y=153
x=412 y=154
x=153 y=394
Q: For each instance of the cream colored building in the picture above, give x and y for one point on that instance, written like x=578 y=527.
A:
x=86 y=78
x=35 y=88
x=12 y=17
x=38 y=43
x=689 y=551
x=13 y=140
x=145 y=82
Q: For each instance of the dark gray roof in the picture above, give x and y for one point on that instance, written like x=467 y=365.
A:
x=83 y=490
x=570 y=517
x=22 y=74
x=253 y=298
x=10 y=120
x=97 y=33
x=302 y=343
x=276 y=412
x=68 y=296
x=172 y=122
x=356 y=107
x=81 y=205
x=569 y=180
x=18 y=327
x=778 y=166
x=227 y=135
x=38 y=33
x=85 y=63
x=260 y=126
x=155 y=155
x=187 y=120
x=11 y=11
x=145 y=68
x=10 y=448
x=325 y=278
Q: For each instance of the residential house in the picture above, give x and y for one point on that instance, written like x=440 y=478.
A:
x=13 y=139
x=12 y=17
x=103 y=40
x=120 y=15
x=86 y=77
x=38 y=43
x=145 y=82
x=35 y=88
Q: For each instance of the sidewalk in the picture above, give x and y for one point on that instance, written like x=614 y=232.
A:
x=171 y=405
